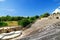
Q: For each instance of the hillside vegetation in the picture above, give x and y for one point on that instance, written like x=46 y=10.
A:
x=19 y=20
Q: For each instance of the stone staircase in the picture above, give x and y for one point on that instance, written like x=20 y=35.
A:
x=50 y=30
x=39 y=25
x=38 y=29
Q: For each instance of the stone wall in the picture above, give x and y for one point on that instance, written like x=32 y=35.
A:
x=7 y=30
x=54 y=16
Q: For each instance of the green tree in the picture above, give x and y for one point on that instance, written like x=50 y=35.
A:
x=36 y=17
x=3 y=24
x=3 y=18
x=28 y=17
x=44 y=15
x=32 y=19
x=8 y=18
x=24 y=22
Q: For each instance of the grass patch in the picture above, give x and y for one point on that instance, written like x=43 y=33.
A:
x=12 y=23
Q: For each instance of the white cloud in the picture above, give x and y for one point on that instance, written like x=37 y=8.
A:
x=57 y=10
x=7 y=11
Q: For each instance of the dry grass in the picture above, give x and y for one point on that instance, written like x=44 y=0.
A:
x=12 y=23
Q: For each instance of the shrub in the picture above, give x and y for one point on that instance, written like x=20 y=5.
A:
x=32 y=19
x=44 y=15
x=24 y=22
x=36 y=17
x=3 y=24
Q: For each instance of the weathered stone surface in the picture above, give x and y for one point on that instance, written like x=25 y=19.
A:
x=51 y=32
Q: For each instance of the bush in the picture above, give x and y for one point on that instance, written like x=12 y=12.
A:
x=36 y=17
x=3 y=24
x=32 y=19
x=44 y=15
x=24 y=22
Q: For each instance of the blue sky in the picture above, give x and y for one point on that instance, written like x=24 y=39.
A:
x=27 y=7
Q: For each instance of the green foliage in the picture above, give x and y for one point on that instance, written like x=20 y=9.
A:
x=24 y=22
x=31 y=19
x=36 y=16
x=44 y=15
x=3 y=24
x=28 y=17
x=8 y=18
x=11 y=18
x=17 y=18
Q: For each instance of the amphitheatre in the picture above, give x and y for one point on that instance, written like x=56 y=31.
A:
x=43 y=29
